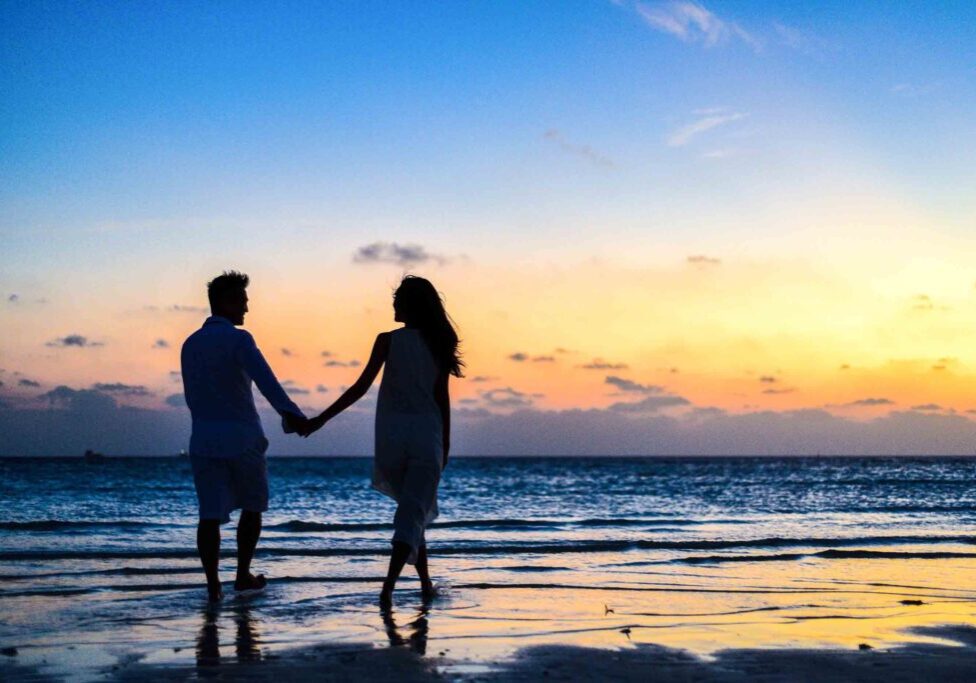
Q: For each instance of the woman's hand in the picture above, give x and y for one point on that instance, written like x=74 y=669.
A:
x=315 y=424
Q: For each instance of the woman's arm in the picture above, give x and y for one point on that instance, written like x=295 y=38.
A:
x=443 y=399
x=376 y=359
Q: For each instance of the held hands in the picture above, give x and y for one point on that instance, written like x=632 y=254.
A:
x=313 y=425
x=302 y=425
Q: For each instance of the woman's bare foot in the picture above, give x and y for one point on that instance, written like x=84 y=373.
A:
x=250 y=582
x=428 y=591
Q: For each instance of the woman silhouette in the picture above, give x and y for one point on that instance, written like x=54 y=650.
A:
x=413 y=419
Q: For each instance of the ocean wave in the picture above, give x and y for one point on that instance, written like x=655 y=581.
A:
x=75 y=525
x=543 y=548
x=831 y=554
x=494 y=524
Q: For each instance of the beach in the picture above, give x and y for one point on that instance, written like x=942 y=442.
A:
x=563 y=569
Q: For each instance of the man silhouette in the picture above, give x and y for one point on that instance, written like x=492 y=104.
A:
x=227 y=444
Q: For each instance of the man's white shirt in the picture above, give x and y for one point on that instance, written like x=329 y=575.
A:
x=219 y=362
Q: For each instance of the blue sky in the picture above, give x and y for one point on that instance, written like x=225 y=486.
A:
x=737 y=188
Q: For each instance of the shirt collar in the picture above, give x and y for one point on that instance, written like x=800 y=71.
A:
x=217 y=320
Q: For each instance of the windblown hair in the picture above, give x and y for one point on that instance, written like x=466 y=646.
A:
x=421 y=307
x=229 y=282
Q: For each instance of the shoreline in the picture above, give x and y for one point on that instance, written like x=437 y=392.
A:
x=952 y=659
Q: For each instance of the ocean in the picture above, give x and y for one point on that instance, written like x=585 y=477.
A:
x=98 y=562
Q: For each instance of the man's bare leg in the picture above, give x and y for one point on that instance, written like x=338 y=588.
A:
x=208 y=547
x=248 y=533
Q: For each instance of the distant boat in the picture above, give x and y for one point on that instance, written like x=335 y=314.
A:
x=92 y=456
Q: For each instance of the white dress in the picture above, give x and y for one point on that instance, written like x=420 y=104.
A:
x=409 y=445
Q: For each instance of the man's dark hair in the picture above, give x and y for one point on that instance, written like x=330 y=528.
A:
x=230 y=282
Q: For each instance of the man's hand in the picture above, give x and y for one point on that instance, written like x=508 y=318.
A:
x=297 y=424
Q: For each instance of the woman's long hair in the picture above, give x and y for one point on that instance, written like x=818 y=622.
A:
x=419 y=305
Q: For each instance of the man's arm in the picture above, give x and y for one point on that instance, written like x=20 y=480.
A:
x=258 y=370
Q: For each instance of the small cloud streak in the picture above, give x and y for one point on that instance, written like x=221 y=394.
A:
x=160 y=344
x=28 y=383
x=121 y=389
x=691 y=23
x=630 y=386
x=712 y=119
x=506 y=397
x=703 y=261
x=600 y=364
x=341 y=364
x=650 y=404
x=584 y=152
x=404 y=255
x=75 y=340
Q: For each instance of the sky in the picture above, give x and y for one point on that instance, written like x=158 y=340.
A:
x=661 y=227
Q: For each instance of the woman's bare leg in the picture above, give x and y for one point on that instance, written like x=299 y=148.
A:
x=426 y=585
x=398 y=558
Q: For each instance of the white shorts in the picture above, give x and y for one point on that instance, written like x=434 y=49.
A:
x=226 y=484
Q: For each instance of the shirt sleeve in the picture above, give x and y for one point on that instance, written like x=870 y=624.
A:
x=258 y=370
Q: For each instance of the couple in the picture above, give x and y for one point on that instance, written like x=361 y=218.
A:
x=227 y=444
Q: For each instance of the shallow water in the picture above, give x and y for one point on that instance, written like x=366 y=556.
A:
x=98 y=566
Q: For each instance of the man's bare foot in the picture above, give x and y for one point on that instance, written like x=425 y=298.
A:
x=428 y=591
x=386 y=596
x=215 y=593
x=250 y=582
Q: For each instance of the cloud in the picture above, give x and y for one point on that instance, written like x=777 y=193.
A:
x=600 y=364
x=773 y=392
x=405 y=255
x=286 y=352
x=518 y=357
x=483 y=378
x=702 y=260
x=28 y=383
x=767 y=379
x=175 y=375
x=176 y=401
x=341 y=364
x=292 y=387
x=923 y=302
x=543 y=359
x=801 y=41
x=76 y=340
x=179 y=308
x=506 y=397
x=160 y=344
x=584 y=152
x=122 y=389
x=871 y=401
x=321 y=388
x=631 y=386
x=685 y=134
x=82 y=400
x=912 y=90
x=691 y=23
x=13 y=298
x=326 y=354
x=928 y=406
x=650 y=404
